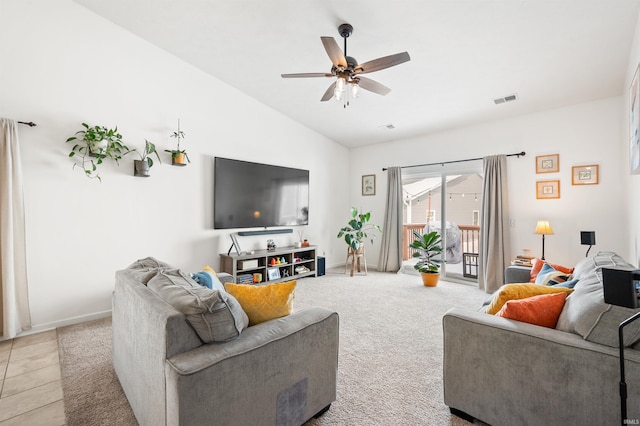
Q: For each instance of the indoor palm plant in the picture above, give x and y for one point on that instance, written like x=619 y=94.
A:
x=93 y=145
x=429 y=251
x=142 y=166
x=358 y=229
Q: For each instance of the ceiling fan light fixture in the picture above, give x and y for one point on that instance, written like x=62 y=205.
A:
x=355 y=89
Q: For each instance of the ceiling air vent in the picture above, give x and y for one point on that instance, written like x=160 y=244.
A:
x=507 y=98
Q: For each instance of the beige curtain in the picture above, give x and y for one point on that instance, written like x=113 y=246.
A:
x=390 y=259
x=494 y=238
x=13 y=265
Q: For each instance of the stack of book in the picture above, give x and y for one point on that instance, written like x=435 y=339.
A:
x=522 y=260
x=245 y=279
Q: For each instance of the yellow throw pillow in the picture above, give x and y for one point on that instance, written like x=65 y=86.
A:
x=264 y=302
x=519 y=291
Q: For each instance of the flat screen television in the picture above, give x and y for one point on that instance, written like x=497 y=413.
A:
x=252 y=195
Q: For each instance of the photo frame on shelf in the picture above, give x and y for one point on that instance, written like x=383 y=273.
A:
x=546 y=189
x=584 y=175
x=548 y=163
x=369 y=185
x=273 y=273
x=634 y=122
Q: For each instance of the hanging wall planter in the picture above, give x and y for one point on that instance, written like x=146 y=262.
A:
x=95 y=144
x=178 y=157
x=144 y=164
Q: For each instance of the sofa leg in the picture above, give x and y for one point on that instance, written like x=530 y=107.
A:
x=462 y=414
x=321 y=412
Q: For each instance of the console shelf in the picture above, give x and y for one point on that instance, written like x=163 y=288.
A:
x=292 y=261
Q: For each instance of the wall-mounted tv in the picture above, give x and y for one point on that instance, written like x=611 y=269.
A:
x=251 y=195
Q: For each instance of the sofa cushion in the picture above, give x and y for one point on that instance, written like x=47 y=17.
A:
x=208 y=278
x=147 y=268
x=539 y=264
x=215 y=316
x=264 y=302
x=519 y=291
x=542 y=310
x=547 y=273
x=585 y=311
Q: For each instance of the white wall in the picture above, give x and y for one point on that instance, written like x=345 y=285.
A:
x=632 y=182
x=582 y=134
x=62 y=65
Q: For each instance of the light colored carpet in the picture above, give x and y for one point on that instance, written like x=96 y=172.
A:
x=390 y=360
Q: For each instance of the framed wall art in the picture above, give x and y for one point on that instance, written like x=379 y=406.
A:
x=548 y=163
x=546 y=189
x=634 y=123
x=584 y=175
x=369 y=185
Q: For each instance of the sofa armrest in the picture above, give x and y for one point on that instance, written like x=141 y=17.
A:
x=517 y=274
x=506 y=372
x=290 y=357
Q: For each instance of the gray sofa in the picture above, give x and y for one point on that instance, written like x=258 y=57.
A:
x=505 y=372
x=282 y=371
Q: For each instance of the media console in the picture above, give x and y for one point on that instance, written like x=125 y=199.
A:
x=293 y=263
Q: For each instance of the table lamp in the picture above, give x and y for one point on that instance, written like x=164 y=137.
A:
x=543 y=228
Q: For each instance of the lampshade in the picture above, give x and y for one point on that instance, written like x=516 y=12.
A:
x=543 y=228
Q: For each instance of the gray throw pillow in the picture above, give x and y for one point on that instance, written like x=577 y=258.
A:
x=215 y=316
x=585 y=311
x=145 y=269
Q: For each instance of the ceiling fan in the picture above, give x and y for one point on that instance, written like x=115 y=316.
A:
x=348 y=72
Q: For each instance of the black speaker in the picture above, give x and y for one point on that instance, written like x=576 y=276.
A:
x=588 y=238
x=621 y=286
x=320 y=266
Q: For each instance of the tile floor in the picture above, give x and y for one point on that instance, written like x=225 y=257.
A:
x=30 y=385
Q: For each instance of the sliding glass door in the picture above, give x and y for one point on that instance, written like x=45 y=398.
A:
x=447 y=202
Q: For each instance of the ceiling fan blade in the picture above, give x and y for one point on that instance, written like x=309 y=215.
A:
x=306 y=74
x=329 y=93
x=373 y=86
x=334 y=52
x=382 y=63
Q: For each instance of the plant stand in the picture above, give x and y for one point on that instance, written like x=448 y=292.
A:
x=355 y=256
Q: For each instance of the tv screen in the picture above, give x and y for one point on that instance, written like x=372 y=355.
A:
x=248 y=195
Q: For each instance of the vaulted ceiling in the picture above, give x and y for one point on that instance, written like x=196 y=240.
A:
x=464 y=54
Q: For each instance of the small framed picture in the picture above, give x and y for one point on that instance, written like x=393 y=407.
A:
x=369 y=185
x=273 y=273
x=584 y=175
x=548 y=163
x=548 y=189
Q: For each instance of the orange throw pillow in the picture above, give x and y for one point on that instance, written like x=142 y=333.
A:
x=543 y=310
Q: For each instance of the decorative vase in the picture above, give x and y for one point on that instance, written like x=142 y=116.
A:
x=140 y=168
x=430 y=279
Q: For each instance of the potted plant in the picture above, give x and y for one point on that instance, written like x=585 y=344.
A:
x=93 y=145
x=429 y=251
x=358 y=230
x=142 y=166
x=178 y=156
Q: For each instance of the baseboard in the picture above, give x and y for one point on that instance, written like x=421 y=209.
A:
x=62 y=323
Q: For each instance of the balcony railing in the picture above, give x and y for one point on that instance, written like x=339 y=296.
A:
x=470 y=238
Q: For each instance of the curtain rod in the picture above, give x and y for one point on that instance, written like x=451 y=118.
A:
x=442 y=163
x=30 y=123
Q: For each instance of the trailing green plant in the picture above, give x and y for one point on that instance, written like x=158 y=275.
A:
x=429 y=251
x=93 y=144
x=149 y=148
x=358 y=229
